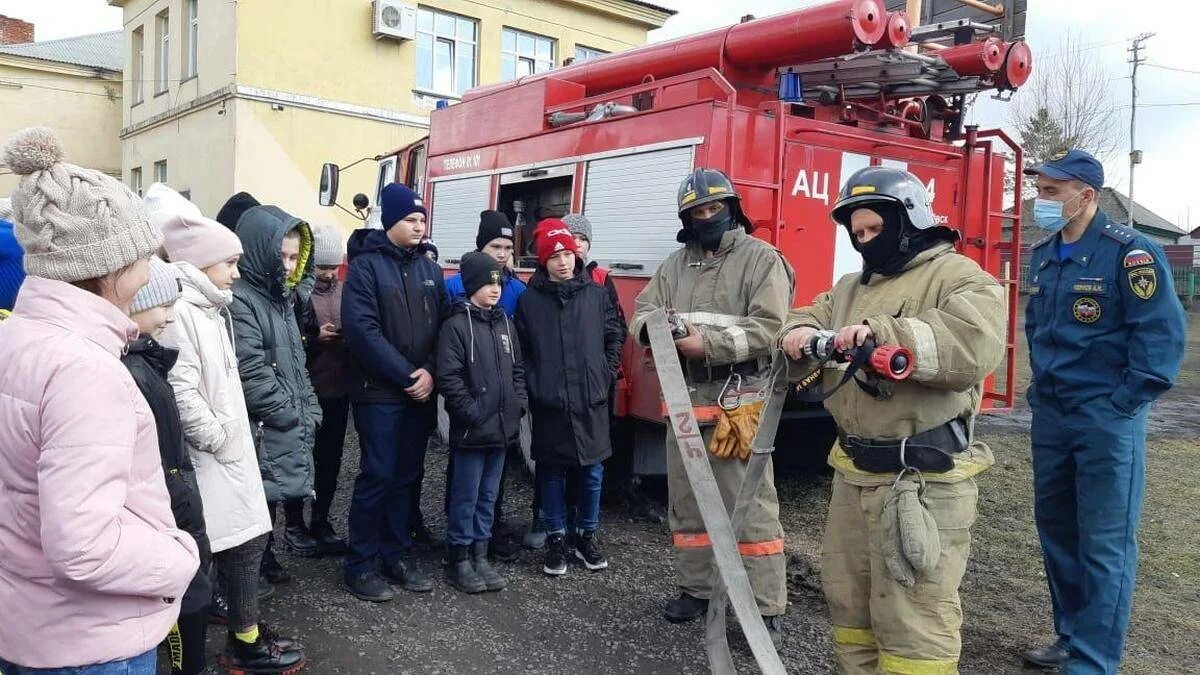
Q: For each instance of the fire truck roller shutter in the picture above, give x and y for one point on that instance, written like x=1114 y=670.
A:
x=454 y=219
x=630 y=200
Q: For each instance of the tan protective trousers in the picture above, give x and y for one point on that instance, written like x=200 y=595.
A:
x=879 y=626
x=761 y=541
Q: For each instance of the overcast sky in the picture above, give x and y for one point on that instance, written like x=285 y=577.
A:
x=1169 y=136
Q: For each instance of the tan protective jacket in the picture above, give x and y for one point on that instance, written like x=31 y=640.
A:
x=738 y=299
x=951 y=315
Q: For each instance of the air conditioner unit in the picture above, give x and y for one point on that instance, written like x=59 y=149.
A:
x=394 y=19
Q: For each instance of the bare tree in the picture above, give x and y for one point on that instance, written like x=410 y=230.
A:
x=1069 y=94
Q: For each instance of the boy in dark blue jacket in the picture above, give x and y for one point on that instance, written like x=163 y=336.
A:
x=392 y=307
x=495 y=238
x=482 y=379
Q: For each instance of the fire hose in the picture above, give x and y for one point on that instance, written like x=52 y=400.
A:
x=721 y=532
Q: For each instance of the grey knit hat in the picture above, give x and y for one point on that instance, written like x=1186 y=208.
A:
x=578 y=223
x=74 y=223
x=327 y=247
x=164 y=288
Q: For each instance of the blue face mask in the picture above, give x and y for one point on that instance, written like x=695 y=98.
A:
x=1048 y=214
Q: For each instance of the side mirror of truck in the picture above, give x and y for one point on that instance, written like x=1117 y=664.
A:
x=329 y=184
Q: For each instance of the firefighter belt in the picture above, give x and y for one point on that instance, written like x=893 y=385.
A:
x=930 y=451
x=910 y=545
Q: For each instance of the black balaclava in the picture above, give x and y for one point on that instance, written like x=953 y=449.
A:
x=897 y=244
x=708 y=231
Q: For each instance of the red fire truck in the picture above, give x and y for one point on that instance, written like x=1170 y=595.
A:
x=788 y=106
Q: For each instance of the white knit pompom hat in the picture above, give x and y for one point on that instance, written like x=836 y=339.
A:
x=74 y=223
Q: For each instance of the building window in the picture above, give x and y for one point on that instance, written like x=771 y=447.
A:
x=136 y=55
x=587 y=53
x=162 y=59
x=445 y=52
x=135 y=180
x=160 y=171
x=524 y=54
x=190 y=36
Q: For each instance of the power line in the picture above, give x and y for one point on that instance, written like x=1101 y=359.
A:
x=1171 y=68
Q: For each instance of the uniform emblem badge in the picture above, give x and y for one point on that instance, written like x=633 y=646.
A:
x=1143 y=282
x=1136 y=258
x=1086 y=310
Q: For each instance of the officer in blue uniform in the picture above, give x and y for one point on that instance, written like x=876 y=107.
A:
x=1106 y=336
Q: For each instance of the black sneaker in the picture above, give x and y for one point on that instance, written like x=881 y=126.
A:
x=272 y=570
x=405 y=573
x=302 y=543
x=369 y=586
x=555 y=561
x=586 y=549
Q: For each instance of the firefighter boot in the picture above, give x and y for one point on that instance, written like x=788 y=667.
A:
x=685 y=608
x=460 y=573
x=260 y=656
x=479 y=560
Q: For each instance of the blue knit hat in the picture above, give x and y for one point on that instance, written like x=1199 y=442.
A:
x=396 y=202
x=12 y=271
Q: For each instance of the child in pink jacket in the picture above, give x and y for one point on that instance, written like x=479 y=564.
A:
x=91 y=563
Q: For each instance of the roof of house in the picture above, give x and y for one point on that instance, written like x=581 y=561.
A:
x=99 y=50
x=1116 y=205
x=650 y=5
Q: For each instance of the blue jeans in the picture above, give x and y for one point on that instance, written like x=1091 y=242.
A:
x=392 y=439
x=1088 y=483
x=142 y=664
x=474 y=485
x=553 y=483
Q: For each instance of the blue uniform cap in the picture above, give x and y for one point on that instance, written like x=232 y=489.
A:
x=1072 y=165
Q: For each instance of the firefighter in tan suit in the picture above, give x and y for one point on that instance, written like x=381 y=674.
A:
x=894 y=551
x=732 y=291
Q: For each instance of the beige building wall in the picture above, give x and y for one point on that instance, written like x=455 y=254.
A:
x=83 y=108
x=284 y=86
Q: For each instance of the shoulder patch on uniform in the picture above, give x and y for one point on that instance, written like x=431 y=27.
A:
x=1137 y=258
x=1143 y=281
x=1119 y=232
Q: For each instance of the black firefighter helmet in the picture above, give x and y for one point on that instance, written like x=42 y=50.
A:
x=709 y=185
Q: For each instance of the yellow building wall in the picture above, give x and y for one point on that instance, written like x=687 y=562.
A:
x=279 y=154
x=199 y=151
x=328 y=49
x=83 y=110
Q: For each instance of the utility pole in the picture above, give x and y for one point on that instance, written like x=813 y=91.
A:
x=1135 y=155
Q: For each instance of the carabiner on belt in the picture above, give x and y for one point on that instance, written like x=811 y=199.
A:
x=730 y=399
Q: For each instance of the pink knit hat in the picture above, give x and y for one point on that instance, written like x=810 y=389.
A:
x=189 y=236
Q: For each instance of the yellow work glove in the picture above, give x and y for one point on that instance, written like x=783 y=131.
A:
x=722 y=436
x=745 y=425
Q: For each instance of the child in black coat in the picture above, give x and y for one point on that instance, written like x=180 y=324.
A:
x=480 y=375
x=149 y=362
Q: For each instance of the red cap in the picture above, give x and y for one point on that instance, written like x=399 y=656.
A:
x=552 y=235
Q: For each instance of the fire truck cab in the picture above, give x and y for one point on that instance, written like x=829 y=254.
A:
x=787 y=106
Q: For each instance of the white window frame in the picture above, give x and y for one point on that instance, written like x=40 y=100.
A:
x=455 y=43
x=191 y=36
x=138 y=56
x=160 y=171
x=162 y=59
x=535 y=64
x=583 y=53
x=135 y=180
